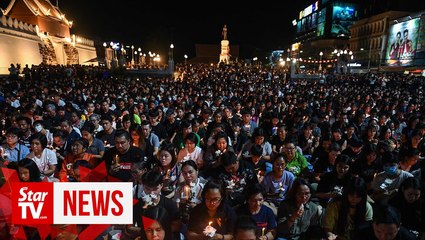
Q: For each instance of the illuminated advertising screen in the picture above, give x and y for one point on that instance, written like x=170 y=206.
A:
x=342 y=18
x=303 y=23
x=314 y=20
x=322 y=16
x=402 y=43
x=320 y=29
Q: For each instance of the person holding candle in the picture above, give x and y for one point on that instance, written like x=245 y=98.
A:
x=79 y=152
x=191 y=150
x=386 y=183
x=126 y=156
x=171 y=171
x=44 y=158
x=237 y=174
x=261 y=214
x=152 y=198
x=257 y=162
x=96 y=146
x=298 y=217
x=212 y=157
x=213 y=212
x=277 y=183
x=258 y=138
x=192 y=180
x=332 y=183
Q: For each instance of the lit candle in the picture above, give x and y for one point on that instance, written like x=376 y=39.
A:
x=187 y=192
x=117 y=159
x=168 y=173
x=105 y=142
x=209 y=224
x=262 y=231
x=280 y=186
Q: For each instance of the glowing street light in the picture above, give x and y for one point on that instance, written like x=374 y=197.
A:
x=320 y=62
x=185 y=59
x=132 y=56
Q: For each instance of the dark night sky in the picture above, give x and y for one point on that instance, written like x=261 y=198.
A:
x=155 y=25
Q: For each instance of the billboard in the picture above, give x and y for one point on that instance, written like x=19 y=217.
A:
x=402 y=43
x=342 y=18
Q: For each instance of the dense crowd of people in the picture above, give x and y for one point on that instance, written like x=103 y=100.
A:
x=229 y=151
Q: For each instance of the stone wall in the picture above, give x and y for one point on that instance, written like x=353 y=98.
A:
x=24 y=44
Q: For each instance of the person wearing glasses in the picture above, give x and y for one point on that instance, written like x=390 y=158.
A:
x=12 y=150
x=297 y=216
x=212 y=213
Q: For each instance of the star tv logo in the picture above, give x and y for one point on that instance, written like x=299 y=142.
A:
x=34 y=203
x=72 y=203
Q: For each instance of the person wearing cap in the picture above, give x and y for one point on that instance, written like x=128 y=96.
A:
x=79 y=152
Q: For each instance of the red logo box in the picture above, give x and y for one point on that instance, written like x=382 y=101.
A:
x=32 y=203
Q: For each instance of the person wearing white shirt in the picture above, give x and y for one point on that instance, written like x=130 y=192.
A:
x=45 y=158
x=191 y=151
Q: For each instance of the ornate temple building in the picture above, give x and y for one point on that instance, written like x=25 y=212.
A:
x=35 y=32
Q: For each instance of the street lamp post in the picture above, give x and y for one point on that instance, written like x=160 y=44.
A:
x=114 y=61
x=320 y=63
x=171 y=59
x=132 y=56
x=107 y=62
x=185 y=59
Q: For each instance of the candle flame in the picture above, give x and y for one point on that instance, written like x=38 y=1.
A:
x=209 y=224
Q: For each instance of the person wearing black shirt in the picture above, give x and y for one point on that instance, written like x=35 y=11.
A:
x=214 y=212
x=385 y=226
x=118 y=160
x=237 y=174
x=157 y=127
x=152 y=198
x=331 y=184
x=255 y=160
x=107 y=135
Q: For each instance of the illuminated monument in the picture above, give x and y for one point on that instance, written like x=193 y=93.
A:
x=225 y=49
x=35 y=32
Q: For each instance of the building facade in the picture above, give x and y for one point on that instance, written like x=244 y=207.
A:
x=35 y=32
